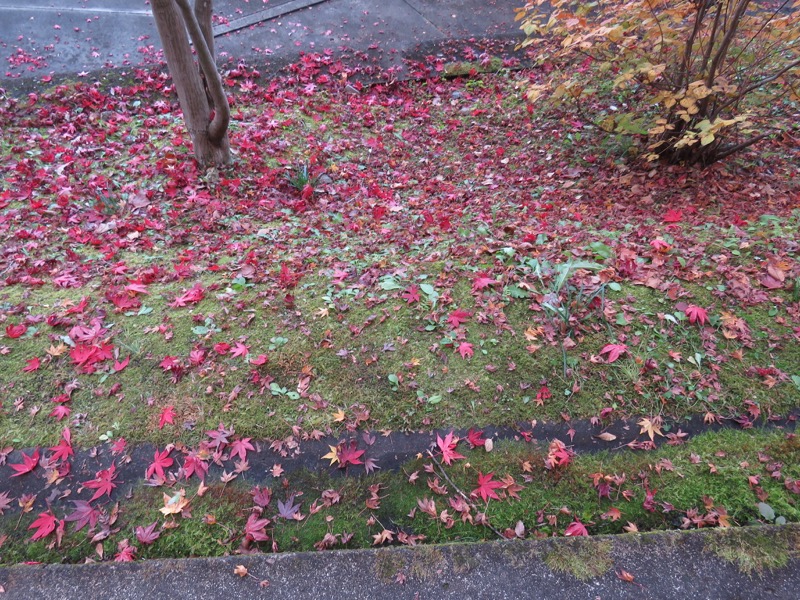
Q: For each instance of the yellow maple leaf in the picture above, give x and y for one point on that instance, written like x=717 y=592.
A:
x=338 y=416
x=174 y=504
x=333 y=455
x=651 y=428
x=57 y=350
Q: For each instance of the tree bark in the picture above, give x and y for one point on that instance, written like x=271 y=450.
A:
x=209 y=136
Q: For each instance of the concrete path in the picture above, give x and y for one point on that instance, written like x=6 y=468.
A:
x=664 y=566
x=45 y=39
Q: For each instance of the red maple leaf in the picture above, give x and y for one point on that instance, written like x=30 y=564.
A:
x=259 y=360
x=411 y=294
x=161 y=461
x=167 y=416
x=119 y=365
x=103 y=482
x=63 y=450
x=482 y=282
x=349 y=454
x=192 y=296
x=673 y=216
x=15 y=331
x=696 y=314
x=487 y=486
x=576 y=528
x=60 y=411
x=448 y=448
x=543 y=394
x=27 y=465
x=83 y=515
x=240 y=350
x=147 y=535
x=465 y=350
x=614 y=351
x=287 y=277
x=240 y=447
x=169 y=363
x=126 y=552
x=123 y=301
x=194 y=465
x=33 y=365
x=254 y=528
x=261 y=496
x=44 y=525
x=458 y=316
x=475 y=438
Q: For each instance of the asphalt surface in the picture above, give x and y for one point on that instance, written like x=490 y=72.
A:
x=666 y=566
x=42 y=41
x=46 y=40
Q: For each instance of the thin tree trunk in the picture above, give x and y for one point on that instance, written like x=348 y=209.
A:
x=208 y=149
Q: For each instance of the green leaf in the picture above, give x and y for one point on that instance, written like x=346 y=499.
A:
x=515 y=291
x=389 y=283
x=602 y=250
x=765 y=510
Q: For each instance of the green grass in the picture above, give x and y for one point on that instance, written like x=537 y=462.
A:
x=708 y=473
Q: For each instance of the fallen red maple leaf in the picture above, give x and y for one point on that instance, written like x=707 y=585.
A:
x=696 y=314
x=103 y=482
x=673 y=216
x=481 y=282
x=465 y=350
x=15 y=331
x=119 y=365
x=349 y=454
x=487 y=486
x=448 y=448
x=411 y=294
x=27 y=465
x=83 y=515
x=60 y=411
x=240 y=349
x=254 y=528
x=63 y=450
x=240 y=447
x=475 y=438
x=192 y=296
x=45 y=524
x=576 y=528
x=161 y=461
x=147 y=535
x=458 y=316
x=167 y=416
x=614 y=351
x=33 y=365
x=543 y=394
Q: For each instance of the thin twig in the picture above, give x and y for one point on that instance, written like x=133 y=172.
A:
x=469 y=501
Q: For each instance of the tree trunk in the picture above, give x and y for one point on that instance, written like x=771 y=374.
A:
x=209 y=136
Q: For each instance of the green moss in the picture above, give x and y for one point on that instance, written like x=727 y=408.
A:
x=753 y=550
x=389 y=562
x=584 y=559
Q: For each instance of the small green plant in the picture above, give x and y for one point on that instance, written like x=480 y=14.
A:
x=301 y=178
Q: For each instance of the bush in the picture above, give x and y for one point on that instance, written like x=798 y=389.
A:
x=707 y=76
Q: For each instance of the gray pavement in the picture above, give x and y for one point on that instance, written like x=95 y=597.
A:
x=46 y=40
x=666 y=566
